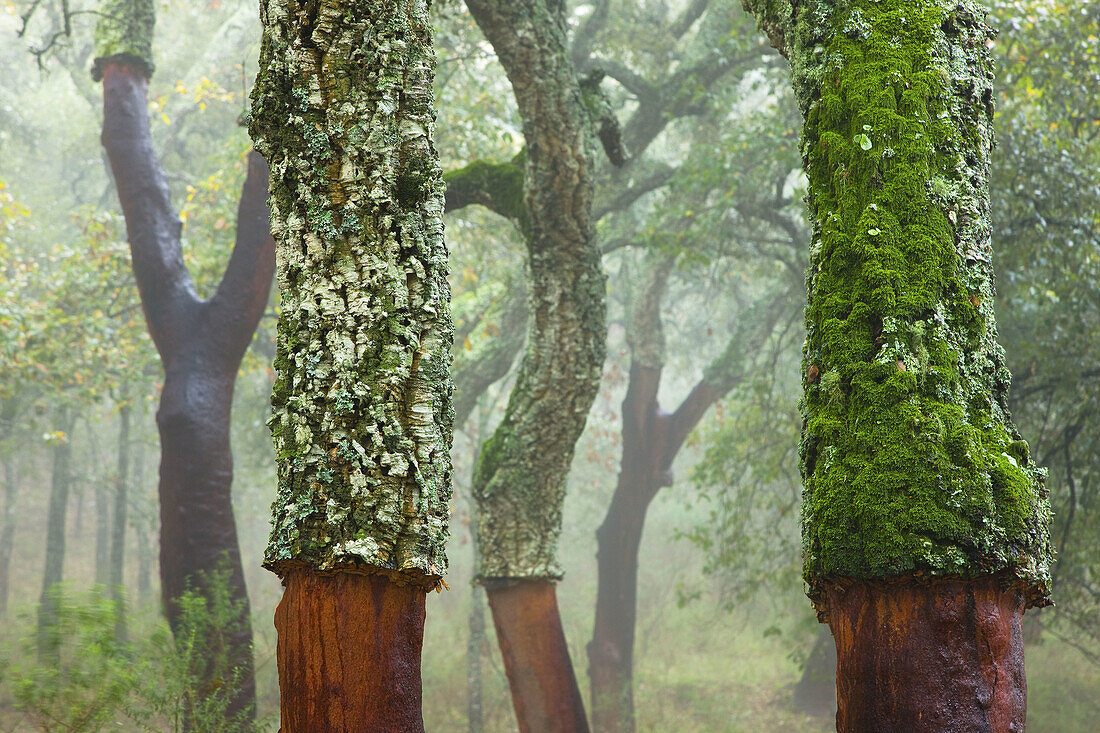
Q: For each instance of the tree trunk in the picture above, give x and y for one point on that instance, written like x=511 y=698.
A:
x=889 y=675
x=520 y=481
x=475 y=644
x=48 y=639
x=7 y=532
x=118 y=527
x=536 y=656
x=201 y=344
x=349 y=653
x=102 y=534
x=815 y=693
x=651 y=440
x=925 y=523
x=343 y=107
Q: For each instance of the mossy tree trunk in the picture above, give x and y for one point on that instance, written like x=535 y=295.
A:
x=200 y=342
x=923 y=513
x=520 y=481
x=343 y=109
x=652 y=438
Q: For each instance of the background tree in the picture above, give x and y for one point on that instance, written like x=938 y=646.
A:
x=519 y=484
x=200 y=342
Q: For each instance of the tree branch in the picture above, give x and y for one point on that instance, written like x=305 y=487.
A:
x=236 y=308
x=152 y=224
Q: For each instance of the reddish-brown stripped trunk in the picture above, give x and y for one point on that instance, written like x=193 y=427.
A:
x=201 y=344
x=349 y=653
x=929 y=656
x=536 y=656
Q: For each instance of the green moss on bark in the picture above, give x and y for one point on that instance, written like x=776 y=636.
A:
x=124 y=32
x=911 y=462
x=343 y=111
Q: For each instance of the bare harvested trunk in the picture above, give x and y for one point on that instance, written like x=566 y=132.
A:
x=536 y=656
x=349 y=653
x=201 y=343
x=929 y=656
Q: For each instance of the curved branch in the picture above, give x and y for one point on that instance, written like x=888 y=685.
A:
x=152 y=225
x=496 y=186
x=236 y=308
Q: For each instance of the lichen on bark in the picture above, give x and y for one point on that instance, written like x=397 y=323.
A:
x=519 y=483
x=125 y=29
x=343 y=109
x=911 y=462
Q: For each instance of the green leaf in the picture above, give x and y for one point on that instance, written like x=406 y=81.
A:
x=863 y=141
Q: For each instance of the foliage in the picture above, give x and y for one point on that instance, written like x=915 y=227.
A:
x=148 y=684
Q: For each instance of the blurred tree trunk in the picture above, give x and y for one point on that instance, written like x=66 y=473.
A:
x=925 y=523
x=343 y=107
x=60 y=482
x=102 y=534
x=519 y=485
x=118 y=526
x=7 y=532
x=142 y=531
x=200 y=342
x=651 y=440
x=815 y=693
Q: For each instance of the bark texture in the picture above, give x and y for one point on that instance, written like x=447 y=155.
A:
x=343 y=109
x=912 y=467
x=201 y=344
x=911 y=461
x=889 y=677
x=520 y=481
x=349 y=653
x=536 y=656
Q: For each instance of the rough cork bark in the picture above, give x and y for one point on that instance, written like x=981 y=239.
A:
x=519 y=484
x=912 y=466
x=343 y=108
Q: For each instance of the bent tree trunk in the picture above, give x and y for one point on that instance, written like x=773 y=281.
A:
x=925 y=522
x=651 y=440
x=519 y=485
x=201 y=344
x=343 y=108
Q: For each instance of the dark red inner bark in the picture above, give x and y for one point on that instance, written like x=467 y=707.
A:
x=536 y=656
x=349 y=653
x=937 y=656
x=201 y=344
